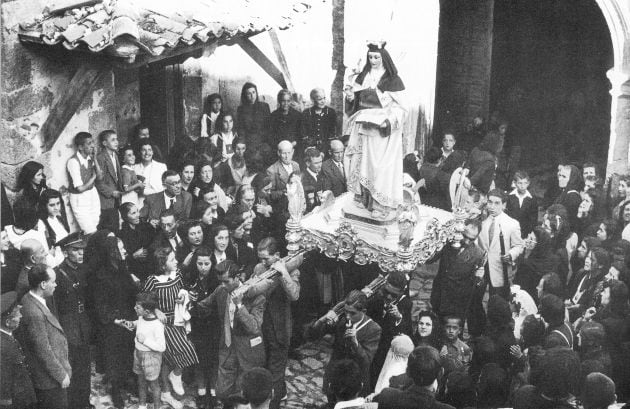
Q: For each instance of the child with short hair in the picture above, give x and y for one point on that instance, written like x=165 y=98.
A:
x=454 y=347
x=150 y=344
x=521 y=205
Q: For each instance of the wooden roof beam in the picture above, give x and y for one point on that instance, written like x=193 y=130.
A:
x=281 y=59
x=261 y=59
x=63 y=110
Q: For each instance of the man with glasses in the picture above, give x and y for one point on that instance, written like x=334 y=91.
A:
x=173 y=197
x=454 y=284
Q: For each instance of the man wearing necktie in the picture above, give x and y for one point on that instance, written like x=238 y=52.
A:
x=333 y=174
x=241 y=345
x=500 y=238
x=110 y=185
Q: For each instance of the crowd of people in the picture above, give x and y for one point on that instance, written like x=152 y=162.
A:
x=168 y=276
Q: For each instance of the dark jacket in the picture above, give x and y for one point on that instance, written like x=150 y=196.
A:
x=318 y=130
x=526 y=215
x=135 y=239
x=454 y=283
x=15 y=382
x=363 y=353
x=332 y=178
x=311 y=186
x=154 y=204
x=283 y=127
x=414 y=397
x=71 y=303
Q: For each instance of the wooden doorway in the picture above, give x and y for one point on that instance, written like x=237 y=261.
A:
x=161 y=104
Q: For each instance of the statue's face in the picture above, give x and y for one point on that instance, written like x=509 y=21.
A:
x=375 y=59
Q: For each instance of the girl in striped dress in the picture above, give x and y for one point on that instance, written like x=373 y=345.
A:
x=180 y=352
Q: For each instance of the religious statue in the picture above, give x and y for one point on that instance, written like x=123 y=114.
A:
x=295 y=194
x=374 y=155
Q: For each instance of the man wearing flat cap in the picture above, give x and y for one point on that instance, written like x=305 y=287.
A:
x=16 y=387
x=70 y=300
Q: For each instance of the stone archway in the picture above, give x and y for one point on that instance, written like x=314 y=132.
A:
x=617 y=15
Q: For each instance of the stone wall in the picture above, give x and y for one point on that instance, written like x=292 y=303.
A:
x=33 y=78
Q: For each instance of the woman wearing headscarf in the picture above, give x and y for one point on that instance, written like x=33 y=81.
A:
x=395 y=362
x=569 y=182
x=375 y=147
x=252 y=117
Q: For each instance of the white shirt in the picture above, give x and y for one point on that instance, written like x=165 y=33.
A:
x=58 y=228
x=153 y=176
x=167 y=200
x=340 y=166
x=112 y=156
x=38 y=298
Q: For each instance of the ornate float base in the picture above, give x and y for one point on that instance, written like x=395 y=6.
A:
x=330 y=230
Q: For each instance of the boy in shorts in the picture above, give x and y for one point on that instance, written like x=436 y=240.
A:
x=150 y=344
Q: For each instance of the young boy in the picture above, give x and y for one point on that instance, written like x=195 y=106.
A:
x=453 y=346
x=150 y=344
x=521 y=205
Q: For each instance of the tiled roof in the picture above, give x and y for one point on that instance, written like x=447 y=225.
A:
x=153 y=26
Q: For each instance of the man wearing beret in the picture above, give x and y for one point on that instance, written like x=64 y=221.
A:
x=16 y=387
x=70 y=300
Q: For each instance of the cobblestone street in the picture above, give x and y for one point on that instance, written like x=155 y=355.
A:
x=304 y=377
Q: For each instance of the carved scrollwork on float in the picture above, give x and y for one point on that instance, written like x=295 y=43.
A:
x=345 y=244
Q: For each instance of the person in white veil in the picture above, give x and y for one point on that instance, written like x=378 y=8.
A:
x=395 y=362
x=522 y=305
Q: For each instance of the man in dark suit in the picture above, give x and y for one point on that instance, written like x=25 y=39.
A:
x=456 y=277
x=311 y=178
x=424 y=368
x=241 y=345
x=166 y=237
x=280 y=171
x=45 y=344
x=333 y=174
x=16 y=387
x=109 y=187
x=356 y=337
x=172 y=197
x=70 y=300
x=279 y=292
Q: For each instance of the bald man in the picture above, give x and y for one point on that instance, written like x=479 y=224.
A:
x=280 y=171
x=33 y=252
x=333 y=175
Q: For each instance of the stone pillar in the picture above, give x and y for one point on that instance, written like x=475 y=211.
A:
x=619 y=147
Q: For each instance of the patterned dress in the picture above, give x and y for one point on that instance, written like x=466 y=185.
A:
x=180 y=351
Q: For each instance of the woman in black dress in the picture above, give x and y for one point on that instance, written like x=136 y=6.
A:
x=137 y=237
x=114 y=294
x=252 y=117
x=427 y=331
